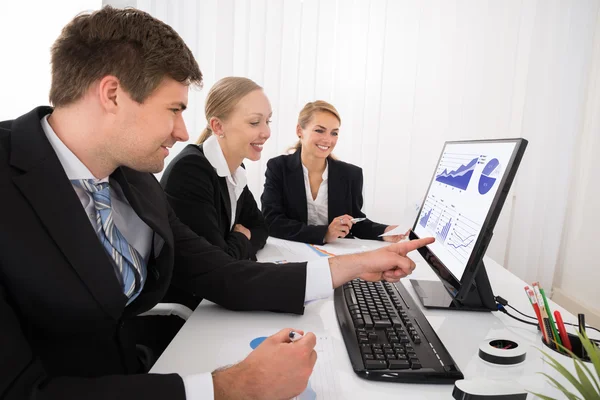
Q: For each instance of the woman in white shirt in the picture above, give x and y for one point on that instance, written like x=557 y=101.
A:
x=310 y=196
x=206 y=182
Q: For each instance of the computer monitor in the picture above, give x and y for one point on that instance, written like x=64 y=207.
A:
x=463 y=202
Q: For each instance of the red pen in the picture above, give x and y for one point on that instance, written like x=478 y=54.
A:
x=562 y=330
x=536 y=309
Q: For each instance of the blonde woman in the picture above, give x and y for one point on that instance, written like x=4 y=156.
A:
x=206 y=182
x=310 y=196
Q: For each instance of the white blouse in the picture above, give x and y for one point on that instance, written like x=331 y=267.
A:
x=236 y=182
x=317 y=209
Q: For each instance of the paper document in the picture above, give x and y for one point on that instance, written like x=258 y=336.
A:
x=396 y=231
x=323 y=383
x=341 y=247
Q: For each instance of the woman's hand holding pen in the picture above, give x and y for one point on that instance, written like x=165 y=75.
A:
x=339 y=228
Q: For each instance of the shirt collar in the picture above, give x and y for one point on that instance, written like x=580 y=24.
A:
x=72 y=165
x=214 y=155
x=325 y=172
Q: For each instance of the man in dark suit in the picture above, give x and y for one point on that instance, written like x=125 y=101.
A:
x=88 y=240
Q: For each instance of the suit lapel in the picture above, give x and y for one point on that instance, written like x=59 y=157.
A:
x=336 y=190
x=225 y=199
x=296 y=186
x=51 y=195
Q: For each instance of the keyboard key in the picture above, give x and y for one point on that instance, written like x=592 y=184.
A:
x=398 y=364
x=415 y=364
x=368 y=356
x=368 y=321
x=366 y=349
x=383 y=323
x=376 y=364
x=417 y=339
x=350 y=297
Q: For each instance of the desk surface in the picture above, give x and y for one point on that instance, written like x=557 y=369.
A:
x=215 y=337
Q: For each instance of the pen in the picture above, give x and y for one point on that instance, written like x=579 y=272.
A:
x=562 y=330
x=581 y=319
x=295 y=336
x=550 y=342
x=543 y=312
x=536 y=309
x=355 y=220
x=554 y=331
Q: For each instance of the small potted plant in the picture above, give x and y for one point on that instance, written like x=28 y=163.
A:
x=586 y=379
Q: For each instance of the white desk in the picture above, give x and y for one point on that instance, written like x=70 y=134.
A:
x=214 y=336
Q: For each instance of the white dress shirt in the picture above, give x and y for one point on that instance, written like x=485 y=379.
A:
x=317 y=209
x=235 y=183
x=139 y=235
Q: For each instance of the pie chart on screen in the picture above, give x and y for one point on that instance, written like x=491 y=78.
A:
x=491 y=172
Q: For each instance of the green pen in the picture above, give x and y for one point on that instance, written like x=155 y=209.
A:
x=551 y=320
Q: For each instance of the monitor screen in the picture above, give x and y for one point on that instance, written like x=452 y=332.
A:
x=461 y=197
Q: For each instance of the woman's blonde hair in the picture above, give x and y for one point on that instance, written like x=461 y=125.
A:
x=307 y=113
x=222 y=99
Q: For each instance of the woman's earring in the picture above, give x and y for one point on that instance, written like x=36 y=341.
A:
x=221 y=136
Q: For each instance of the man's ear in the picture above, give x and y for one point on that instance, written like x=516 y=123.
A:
x=109 y=92
x=216 y=126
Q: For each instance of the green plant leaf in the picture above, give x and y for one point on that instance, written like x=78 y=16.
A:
x=590 y=391
x=594 y=353
x=564 y=372
x=560 y=387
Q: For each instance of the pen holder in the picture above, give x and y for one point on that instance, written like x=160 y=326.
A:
x=576 y=346
x=566 y=361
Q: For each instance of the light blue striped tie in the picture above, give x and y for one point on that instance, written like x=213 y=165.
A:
x=128 y=261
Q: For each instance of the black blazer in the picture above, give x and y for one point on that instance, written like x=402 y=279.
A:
x=284 y=200
x=63 y=316
x=201 y=201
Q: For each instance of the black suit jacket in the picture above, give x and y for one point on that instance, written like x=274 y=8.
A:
x=63 y=315
x=200 y=199
x=284 y=200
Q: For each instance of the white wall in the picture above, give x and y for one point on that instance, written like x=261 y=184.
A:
x=406 y=76
x=578 y=277
x=27 y=31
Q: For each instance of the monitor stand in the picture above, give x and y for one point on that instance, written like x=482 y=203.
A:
x=433 y=294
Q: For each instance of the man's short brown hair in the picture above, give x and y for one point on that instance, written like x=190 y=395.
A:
x=130 y=44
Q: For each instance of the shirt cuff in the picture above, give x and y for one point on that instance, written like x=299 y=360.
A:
x=199 y=386
x=318 y=280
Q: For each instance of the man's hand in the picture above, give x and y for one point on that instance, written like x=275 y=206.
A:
x=277 y=369
x=242 y=229
x=388 y=263
x=395 y=238
x=338 y=228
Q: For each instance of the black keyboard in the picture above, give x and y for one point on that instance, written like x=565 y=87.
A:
x=387 y=336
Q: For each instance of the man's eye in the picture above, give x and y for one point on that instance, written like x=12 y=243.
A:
x=254 y=123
